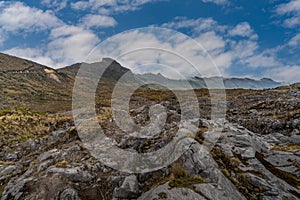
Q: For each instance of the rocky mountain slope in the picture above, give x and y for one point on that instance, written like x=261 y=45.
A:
x=27 y=84
x=251 y=154
x=241 y=165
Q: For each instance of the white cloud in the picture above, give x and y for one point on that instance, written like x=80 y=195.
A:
x=16 y=17
x=198 y=25
x=291 y=9
x=34 y=54
x=55 y=4
x=3 y=36
x=243 y=30
x=244 y=48
x=70 y=44
x=295 y=41
x=223 y=45
x=110 y=6
x=288 y=74
x=211 y=41
x=163 y=48
x=261 y=60
x=218 y=2
x=97 y=21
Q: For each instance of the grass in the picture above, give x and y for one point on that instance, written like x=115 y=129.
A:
x=62 y=164
x=229 y=167
x=20 y=124
x=181 y=179
x=286 y=148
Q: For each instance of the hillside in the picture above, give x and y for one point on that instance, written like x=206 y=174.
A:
x=43 y=156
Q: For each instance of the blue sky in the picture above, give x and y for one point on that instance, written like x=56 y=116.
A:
x=244 y=38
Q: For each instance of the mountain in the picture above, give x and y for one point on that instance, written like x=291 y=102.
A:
x=27 y=84
x=251 y=153
x=197 y=82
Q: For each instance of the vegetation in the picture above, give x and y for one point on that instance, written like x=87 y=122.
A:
x=180 y=178
x=20 y=124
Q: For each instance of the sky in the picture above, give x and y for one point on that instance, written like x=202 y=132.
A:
x=243 y=38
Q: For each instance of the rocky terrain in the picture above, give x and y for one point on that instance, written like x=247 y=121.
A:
x=253 y=153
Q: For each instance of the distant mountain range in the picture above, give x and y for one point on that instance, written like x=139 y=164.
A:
x=26 y=83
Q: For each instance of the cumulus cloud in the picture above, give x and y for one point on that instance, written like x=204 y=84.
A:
x=35 y=54
x=211 y=42
x=243 y=30
x=16 y=17
x=287 y=74
x=292 y=10
x=55 y=4
x=292 y=6
x=218 y=2
x=70 y=44
x=295 y=41
x=90 y=21
x=67 y=45
x=229 y=44
x=140 y=50
x=197 y=25
x=110 y=6
x=3 y=36
x=261 y=60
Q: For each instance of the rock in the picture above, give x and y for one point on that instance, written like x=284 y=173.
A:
x=10 y=171
x=256 y=181
x=31 y=145
x=165 y=192
x=58 y=134
x=210 y=191
x=69 y=194
x=14 y=191
x=45 y=165
x=248 y=153
x=73 y=174
x=52 y=154
x=282 y=159
x=13 y=157
x=129 y=188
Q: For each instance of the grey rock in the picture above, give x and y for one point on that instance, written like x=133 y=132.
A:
x=129 y=189
x=52 y=154
x=248 y=153
x=69 y=194
x=58 y=134
x=10 y=171
x=14 y=191
x=209 y=191
x=44 y=165
x=73 y=174
x=282 y=159
x=165 y=192
x=13 y=157
x=256 y=181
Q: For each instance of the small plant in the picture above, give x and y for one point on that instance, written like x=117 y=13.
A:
x=180 y=178
x=62 y=164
